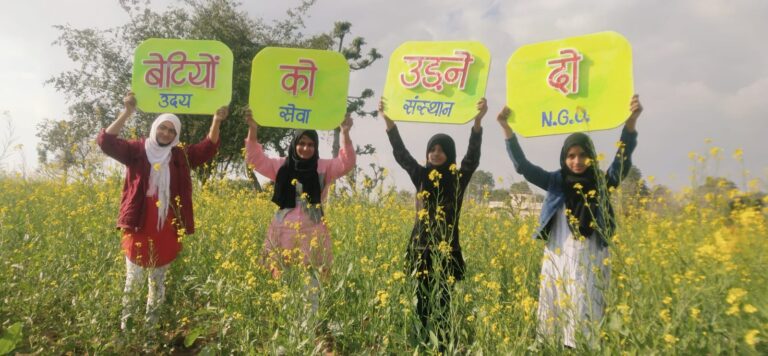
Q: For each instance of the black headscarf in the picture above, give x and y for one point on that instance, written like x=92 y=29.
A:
x=447 y=182
x=303 y=170
x=575 y=198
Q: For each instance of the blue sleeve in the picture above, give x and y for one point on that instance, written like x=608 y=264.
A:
x=531 y=172
x=623 y=160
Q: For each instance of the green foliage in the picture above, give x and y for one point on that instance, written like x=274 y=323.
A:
x=683 y=281
x=10 y=337
x=521 y=187
x=481 y=182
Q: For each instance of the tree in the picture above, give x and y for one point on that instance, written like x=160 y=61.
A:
x=66 y=148
x=521 y=187
x=95 y=89
x=355 y=104
x=633 y=184
x=716 y=185
x=352 y=54
x=481 y=182
x=633 y=193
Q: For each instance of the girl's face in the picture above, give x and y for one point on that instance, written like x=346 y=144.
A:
x=305 y=148
x=576 y=160
x=166 y=133
x=436 y=156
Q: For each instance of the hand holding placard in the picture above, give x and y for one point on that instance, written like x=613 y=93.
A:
x=221 y=114
x=253 y=127
x=347 y=124
x=382 y=110
x=503 y=120
x=482 y=108
x=129 y=102
x=635 y=108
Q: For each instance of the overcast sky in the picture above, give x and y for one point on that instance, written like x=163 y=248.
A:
x=700 y=67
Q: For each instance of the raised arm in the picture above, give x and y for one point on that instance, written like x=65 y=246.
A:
x=129 y=108
x=204 y=151
x=220 y=115
x=622 y=162
x=471 y=159
x=531 y=172
x=113 y=146
x=346 y=160
x=255 y=157
x=402 y=156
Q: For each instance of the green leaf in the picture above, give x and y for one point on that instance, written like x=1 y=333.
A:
x=6 y=346
x=433 y=338
x=207 y=351
x=10 y=338
x=190 y=339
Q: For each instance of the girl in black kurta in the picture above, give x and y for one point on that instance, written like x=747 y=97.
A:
x=433 y=251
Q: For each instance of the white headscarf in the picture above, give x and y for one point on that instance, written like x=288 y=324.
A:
x=160 y=174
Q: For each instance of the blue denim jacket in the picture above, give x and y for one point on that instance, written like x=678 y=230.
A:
x=552 y=182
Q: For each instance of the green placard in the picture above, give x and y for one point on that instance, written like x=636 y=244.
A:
x=182 y=76
x=574 y=84
x=299 y=88
x=436 y=82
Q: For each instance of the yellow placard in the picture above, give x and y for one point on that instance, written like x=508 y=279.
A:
x=436 y=82
x=299 y=88
x=574 y=84
x=182 y=76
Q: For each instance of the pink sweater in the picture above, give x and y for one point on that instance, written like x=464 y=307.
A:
x=282 y=235
x=331 y=169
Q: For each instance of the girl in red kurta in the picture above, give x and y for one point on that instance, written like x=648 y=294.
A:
x=156 y=206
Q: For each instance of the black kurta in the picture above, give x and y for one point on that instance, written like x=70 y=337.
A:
x=429 y=230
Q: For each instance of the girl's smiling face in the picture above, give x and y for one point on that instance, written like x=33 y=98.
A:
x=305 y=148
x=576 y=160
x=166 y=133
x=436 y=156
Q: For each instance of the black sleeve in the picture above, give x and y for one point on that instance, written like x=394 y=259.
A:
x=472 y=158
x=404 y=158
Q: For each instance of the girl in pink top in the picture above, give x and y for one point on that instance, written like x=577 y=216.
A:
x=301 y=186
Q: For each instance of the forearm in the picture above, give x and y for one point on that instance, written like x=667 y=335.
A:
x=622 y=162
x=472 y=158
x=401 y=154
x=252 y=134
x=116 y=126
x=630 y=125
x=213 y=133
x=507 y=131
x=531 y=172
x=346 y=159
x=390 y=123
x=477 y=127
x=345 y=138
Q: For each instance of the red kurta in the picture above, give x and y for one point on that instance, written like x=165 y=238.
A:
x=131 y=153
x=148 y=247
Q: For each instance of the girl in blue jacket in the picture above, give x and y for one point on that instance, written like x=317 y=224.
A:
x=577 y=221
